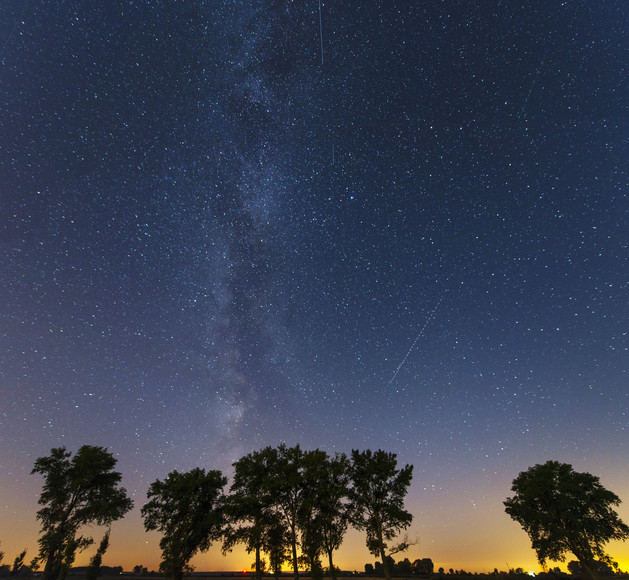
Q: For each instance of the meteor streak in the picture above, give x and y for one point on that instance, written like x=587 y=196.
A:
x=419 y=335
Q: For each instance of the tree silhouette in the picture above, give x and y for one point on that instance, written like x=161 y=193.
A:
x=404 y=567
x=78 y=491
x=309 y=515
x=325 y=510
x=424 y=567
x=283 y=498
x=286 y=487
x=188 y=509
x=564 y=511
x=93 y=570
x=275 y=542
x=248 y=506
x=18 y=563
x=377 y=495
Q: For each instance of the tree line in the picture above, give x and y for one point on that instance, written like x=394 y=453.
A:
x=291 y=505
x=294 y=506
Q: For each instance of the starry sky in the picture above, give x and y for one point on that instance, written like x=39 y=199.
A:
x=382 y=224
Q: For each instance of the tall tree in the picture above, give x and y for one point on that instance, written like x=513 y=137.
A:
x=276 y=543
x=248 y=505
x=564 y=511
x=325 y=510
x=309 y=520
x=377 y=494
x=188 y=509
x=285 y=484
x=77 y=491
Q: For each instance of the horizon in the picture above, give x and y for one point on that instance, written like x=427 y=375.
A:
x=128 y=535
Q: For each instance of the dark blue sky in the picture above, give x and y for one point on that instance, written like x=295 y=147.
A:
x=211 y=241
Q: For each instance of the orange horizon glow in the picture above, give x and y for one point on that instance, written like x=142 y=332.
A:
x=131 y=546
x=463 y=527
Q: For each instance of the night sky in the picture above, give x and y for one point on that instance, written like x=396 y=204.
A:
x=379 y=224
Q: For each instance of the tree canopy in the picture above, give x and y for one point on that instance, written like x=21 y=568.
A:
x=188 y=509
x=324 y=513
x=248 y=505
x=283 y=501
x=283 y=498
x=285 y=484
x=77 y=491
x=564 y=511
x=377 y=494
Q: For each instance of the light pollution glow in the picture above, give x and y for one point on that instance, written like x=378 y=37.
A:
x=458 y=532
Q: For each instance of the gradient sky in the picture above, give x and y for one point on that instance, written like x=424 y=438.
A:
x=395 y=225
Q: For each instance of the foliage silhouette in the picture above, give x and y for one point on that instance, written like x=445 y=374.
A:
x=93 y=570
x=423 y=567
x=564 y=511
x=275 y=542
x=377 y=496
x=188 y=508
x=248 y=506
x=78 y=491
x=286 y=487
x=18 y=564
x=324 y=512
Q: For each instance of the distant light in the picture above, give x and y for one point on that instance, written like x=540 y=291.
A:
x=531 y=573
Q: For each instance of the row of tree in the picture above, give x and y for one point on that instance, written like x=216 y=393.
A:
x=284 y=501
x=290 y=504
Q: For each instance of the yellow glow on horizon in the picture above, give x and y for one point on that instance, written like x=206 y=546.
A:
x=460 y=534
x=129 y=550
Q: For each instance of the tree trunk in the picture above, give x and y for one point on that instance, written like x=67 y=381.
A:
x=173 y=572
x=295 y=562
x=588 y=570
x=258 y=568
x=52 y=568
x=331 y=564
x=385 y=560
x=385 y=563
